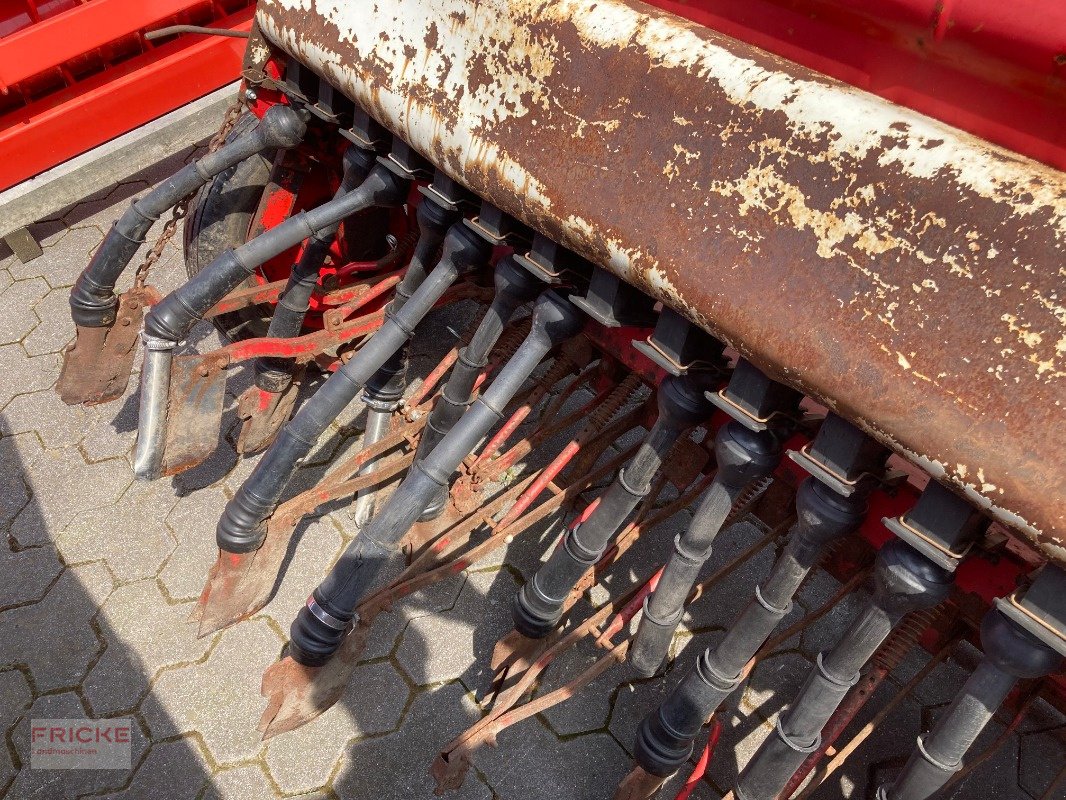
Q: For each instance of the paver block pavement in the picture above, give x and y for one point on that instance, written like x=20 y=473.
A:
x=219 y=697
x=129 y=535
x=397 y=765
x=17 y=301
x=174 y=770
x=240 y=783
x=64 y=620
x=65 y=487
x=143 y=634
x=304 y=759
x=41 y=784
x=27 y=573
x=192 y=523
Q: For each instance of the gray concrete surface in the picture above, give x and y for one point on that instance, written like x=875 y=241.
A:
x=100 y=574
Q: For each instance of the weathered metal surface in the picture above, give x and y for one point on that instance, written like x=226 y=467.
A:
x=194 y=416
x=98 y=363
x=905 y=274
x=264 y=414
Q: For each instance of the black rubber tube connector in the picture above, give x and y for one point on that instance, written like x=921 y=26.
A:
x=515 y=286
x=93 y=303
x=241 y=530
x=314 y=638
x=537 y=607
x=179 y=311
x=275 y=374
x=905 y=581
x=743 y=456
x=665 y=737
x=1011 y=654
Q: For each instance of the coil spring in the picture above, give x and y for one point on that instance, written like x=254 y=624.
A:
x=905 y=637
x=752 y=492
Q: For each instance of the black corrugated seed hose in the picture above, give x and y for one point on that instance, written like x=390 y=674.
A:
x=515 y=286
x=241 y=528
x=665 y=737
x=1012 y=654
x=537 y=607
x=172 y=318
x=906 y=581
x=93 y=303
x=275 y=374
x=742 y=456
x=322 y=623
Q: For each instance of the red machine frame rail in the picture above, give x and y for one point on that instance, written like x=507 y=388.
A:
x=57 y=125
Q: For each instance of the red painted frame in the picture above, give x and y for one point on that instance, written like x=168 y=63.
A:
x=68 y=122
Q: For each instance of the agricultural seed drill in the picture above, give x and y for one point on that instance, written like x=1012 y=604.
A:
x=807 y=259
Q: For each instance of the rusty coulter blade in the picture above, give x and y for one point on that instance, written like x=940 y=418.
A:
x=238 y=585
x=638 y=785
x=297 y=694
x=97 y=364
x=194 y=415
x=264 y=414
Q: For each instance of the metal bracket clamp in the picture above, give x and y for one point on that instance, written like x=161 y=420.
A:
x=680 y=347
x=326 y=618
x=497 y=228
x=1041 y=611
x=936 y=551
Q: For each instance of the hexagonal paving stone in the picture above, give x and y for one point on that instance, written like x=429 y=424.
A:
x=64 y=487
x=531 y=763
x=218 y=698
x=27 y=573
x=54 y=637
x=71 y=254
x=175 y=770
x=40 y=784
x=15 y=453
x=143 y=634
x=396 y=765
x=23 y=375
x=316 y=549
x=774 y=683
x=192 y=523
x=17 y=300
x=130 y=535
x=15 y=697
x=240 y=783
x=302 y=760
x=56 y=328
x=44 y=413
x=1041 y=758
x=590 y=708
x=441 y=647
x=111 y=429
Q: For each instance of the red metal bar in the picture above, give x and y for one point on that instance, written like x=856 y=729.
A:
x=86 y=27
x=701 y=766
x=69 y=122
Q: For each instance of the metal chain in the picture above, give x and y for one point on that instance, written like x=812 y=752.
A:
x=233 y=113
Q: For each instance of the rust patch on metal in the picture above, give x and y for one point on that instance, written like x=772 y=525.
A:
x=264 y=414
x=97 y=364
x=194 y=415
x=904 y=274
